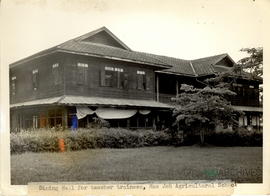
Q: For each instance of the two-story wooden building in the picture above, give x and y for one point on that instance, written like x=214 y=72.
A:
x=97 y=75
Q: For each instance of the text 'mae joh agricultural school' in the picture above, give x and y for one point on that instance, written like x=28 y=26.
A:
x=97 y=75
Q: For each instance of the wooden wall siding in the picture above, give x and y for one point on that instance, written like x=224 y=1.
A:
x=167 y=83
x=94 y=88
x=104 y=38
x=246 y=96
x=46 y=86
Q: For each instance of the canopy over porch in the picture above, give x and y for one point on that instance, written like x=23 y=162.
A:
x=93 y=101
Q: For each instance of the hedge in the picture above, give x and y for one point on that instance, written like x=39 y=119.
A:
x=48 y=140
x=239 y=137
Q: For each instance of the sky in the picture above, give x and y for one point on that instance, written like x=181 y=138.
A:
x=183 y=29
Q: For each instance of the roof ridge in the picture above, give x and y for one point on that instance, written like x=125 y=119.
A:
x=91 y=33
x=102 y=45
x=191 y=65
x=226 y=54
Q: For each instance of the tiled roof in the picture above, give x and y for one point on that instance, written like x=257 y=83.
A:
x=221 y=68
x=211 y=60
x=81 y=100
x=110 y=52
x=197 y=67
x=179 y=66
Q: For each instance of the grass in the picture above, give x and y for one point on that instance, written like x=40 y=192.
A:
x=241 y=164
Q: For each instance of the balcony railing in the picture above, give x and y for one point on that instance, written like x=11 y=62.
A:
x=239 y=101
x=166 y=98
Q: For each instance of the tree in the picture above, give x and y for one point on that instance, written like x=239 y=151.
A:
x=253 y=63
x=201 y=110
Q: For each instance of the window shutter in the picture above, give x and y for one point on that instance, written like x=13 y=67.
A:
x=137 y=81
x=35 y=80
x=102 y=77
x=140 y=79
x=114 y=79
x=119 y=79
x=148 y=82
x=74 y=74
x=85 y=75
x=125 y=81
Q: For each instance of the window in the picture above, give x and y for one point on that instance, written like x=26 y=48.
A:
x=35 y=79
x=119 y=78
x=124 y=81
x=56 y=74
x=82 y=73
x=141 y=80
x=238 y=88
x=109 y=78
x=113 y=77
x=13 y=85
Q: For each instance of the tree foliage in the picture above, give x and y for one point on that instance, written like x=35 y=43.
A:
x=253 y=63
x=201 y=110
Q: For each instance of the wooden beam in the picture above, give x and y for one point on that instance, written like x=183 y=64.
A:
x=64 y=118
x=157 y=85
x=177 y=87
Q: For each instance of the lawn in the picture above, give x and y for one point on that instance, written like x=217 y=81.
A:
x=242 y=164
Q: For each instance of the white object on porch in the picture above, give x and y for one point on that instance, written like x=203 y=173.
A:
x=113 y=113
x=144 y=112
x=83 y=111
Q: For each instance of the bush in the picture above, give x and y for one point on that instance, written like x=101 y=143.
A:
x=225 y=137
x=240 y=137
x=47 y=140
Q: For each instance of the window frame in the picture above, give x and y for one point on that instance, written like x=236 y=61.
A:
x=108 y=78
x=112 y=77
x=35 y=79
x=56 y=74
x=13 y=85
x=82 y=73
x=141 y=80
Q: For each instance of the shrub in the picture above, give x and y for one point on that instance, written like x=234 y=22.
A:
x=240 y=137
x=224 y=137
x=47 y=140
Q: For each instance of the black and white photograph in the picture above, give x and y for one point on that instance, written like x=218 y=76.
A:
x=119 y=90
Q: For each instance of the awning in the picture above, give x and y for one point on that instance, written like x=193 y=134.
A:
x=144 y=112
x=113 y=113
x=97 y=101
x=248 y=108
x=46 y=101
x=83 y=111
x=80 y=100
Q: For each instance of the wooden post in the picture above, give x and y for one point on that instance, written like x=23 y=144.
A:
x=87 y=121
x=157 y=85
x=54 y=118
x=154 y=124
x=64 y=118
x=128 y=123
x=177 y=88
x=47 y=119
